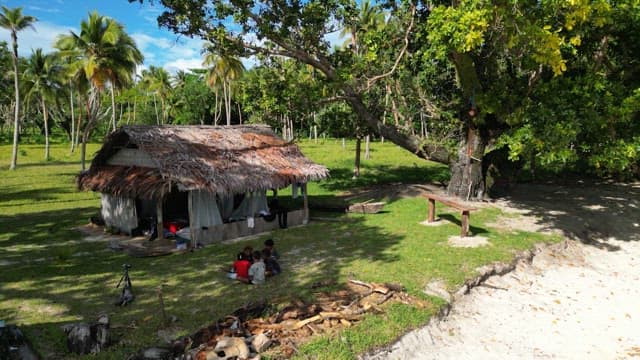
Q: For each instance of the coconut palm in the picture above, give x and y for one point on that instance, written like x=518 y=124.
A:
x=14 y=21
x=101 y=53
x=158 y=82
x=42 y=78
x=369 y=17
x=223 y=72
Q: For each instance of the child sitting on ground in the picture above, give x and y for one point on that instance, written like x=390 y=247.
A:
x=240 y=270
x=257 y=270
x=248 y=253
x=271 y=265
x=268 y=245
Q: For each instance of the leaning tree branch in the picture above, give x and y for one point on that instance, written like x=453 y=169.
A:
x=371 y=81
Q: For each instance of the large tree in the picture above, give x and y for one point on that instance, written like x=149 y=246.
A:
x=102 y=52
x=14 y=21
x=496 y=53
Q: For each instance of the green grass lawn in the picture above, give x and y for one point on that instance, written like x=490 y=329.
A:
x=50 y=276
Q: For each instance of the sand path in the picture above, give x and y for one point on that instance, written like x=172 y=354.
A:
x=578 y=300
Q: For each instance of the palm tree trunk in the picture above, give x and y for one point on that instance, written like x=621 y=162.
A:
x=113 y=107
x=120 y=117
x=46 y=129
x=73 y=120
x=239 y=113
x=16 y=121
x=227 y=101
x=155 y=105
x=77 y=136
x=135 y=101
x=367 y=154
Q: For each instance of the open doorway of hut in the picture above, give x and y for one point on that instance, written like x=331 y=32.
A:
x=175 y=214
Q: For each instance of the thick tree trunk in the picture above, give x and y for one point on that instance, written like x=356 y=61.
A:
x=467 y=179
x=406 y=141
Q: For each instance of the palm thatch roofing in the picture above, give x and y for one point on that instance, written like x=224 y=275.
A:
x=217 y=159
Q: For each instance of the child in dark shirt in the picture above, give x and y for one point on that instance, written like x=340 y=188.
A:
x=271 y=264
x=269 y=245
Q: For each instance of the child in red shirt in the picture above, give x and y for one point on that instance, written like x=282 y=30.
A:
x=240 y=270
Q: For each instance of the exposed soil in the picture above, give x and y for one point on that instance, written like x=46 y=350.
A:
x=576 y=300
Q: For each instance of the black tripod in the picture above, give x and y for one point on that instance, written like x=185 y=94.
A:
x=127 y=294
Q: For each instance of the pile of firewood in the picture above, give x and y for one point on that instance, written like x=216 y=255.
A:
x=247 y=332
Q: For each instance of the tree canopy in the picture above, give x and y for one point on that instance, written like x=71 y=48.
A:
x=485 y=75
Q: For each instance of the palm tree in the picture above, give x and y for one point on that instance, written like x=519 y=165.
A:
x=101 y=53
x=14 y=21
x=43 y=78
x=157 y=80
x=369 y=17
x=223 y=71
x=179 y=80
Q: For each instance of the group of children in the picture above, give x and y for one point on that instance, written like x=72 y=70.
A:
x=252 y=267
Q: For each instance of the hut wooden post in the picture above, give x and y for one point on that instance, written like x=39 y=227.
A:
x=159 y=226
x=306 y=203
x=192 y=229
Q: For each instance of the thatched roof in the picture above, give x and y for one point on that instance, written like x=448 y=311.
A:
x=218 y=159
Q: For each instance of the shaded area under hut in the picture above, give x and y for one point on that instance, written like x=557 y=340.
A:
x=206 y=183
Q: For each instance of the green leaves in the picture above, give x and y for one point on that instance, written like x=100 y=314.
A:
x=461 y=28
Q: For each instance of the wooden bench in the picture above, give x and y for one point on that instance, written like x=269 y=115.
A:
x=464 y=210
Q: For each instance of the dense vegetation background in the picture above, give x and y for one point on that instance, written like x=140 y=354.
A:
x=489 y=89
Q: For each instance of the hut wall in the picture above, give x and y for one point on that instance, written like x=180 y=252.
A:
x=119 y=212
x=238 y=229
x=205 y=211
x=253 y=204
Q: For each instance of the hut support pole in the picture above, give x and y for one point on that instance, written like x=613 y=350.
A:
x=306 y=204
x=159 y=227
x=192 y=229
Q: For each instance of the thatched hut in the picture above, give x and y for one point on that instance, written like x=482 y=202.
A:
x=214 y=178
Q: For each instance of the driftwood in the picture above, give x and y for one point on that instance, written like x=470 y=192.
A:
x=88 y=338
x=260 y=328
x=379 y=288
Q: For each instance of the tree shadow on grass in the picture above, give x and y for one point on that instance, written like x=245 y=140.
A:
x=29 y=196
x=341 y=179
x=455 y=219
x=588 y=211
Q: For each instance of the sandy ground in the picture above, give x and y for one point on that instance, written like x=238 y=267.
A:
x=576 y=300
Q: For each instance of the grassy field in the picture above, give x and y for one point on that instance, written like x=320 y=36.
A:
x=50 y=276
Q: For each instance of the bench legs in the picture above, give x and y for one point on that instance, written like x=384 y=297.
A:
x=431 y=216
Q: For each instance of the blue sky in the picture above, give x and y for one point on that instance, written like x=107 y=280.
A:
x=159 y=46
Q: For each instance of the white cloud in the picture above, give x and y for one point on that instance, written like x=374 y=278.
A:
x=47 y=10
x=171 y=52
x=43 y=37
x=183 y=64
